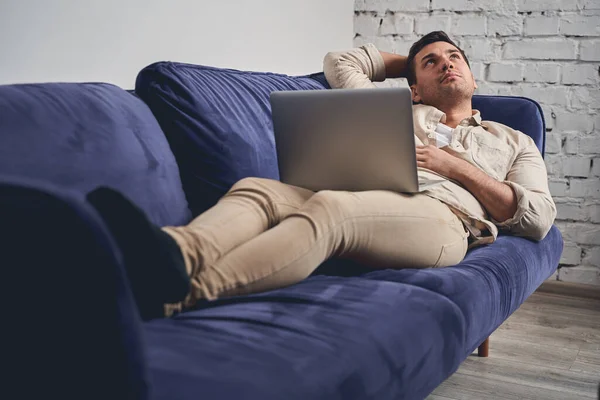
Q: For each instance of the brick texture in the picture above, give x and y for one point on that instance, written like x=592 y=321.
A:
x=541 y=49
x=580 y=25
x=542 y=72
x=505 y=26
x=590 y=50
x=540 y=26
x=547 y=50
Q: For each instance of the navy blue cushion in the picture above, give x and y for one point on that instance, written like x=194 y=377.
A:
x=491 y=282
x=324 y=338
x=218 y=122
x=80 y=136
x=519 y=113
x=390 y=334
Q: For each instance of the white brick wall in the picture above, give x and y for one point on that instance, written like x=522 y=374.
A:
x=541 y=26
x=548 y=50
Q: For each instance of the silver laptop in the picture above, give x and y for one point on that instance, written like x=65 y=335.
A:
x=347 y=139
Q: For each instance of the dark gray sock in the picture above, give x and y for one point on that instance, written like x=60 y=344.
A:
x=153 y=261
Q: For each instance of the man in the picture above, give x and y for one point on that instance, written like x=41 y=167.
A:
x=264 y=234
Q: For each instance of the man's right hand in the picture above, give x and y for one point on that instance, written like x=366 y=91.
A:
x=395 y=65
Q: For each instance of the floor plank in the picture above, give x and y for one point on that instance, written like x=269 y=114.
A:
x=587 y=361
x=569 y=382
x=569 y=289
x=467 y=387
x=558 y=318
x=548 y=349
x=555 y=302
x=502 y=348
x=548 y=336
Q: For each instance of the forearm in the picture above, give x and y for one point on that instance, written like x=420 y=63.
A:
x=521 y=204
x=497 y=198
x=354 y=69
x=395 y=65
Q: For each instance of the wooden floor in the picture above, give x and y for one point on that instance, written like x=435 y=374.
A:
x=548 y=349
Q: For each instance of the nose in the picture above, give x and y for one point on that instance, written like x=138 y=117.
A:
x=447 y=64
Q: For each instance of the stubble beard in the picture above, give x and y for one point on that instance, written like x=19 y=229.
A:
x=450 y=95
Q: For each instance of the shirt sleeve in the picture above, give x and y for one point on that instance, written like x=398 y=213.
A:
x=354 y=69
x=536 y=210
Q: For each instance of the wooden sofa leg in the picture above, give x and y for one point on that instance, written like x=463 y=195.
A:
x=484 y=348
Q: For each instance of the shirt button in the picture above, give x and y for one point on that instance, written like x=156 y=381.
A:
x=431 y=136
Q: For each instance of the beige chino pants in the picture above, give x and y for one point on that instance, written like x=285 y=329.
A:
x=264 y=234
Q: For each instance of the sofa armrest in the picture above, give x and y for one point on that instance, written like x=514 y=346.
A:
x=71 y=326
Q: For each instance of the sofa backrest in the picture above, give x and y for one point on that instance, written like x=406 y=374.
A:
x=78 y=136
x=520 y=113
x=218 y=122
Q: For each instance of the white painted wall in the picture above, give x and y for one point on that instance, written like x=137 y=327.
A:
x=111 y=40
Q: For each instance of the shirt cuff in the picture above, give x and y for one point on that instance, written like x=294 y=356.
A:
x=522 y=205
x=377 y=60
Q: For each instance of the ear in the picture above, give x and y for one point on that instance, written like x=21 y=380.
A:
x=415 y=94
x=474 y=81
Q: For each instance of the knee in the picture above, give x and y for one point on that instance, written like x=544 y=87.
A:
x=332 y=203
x=265 y=190
x=329 y=197
x=261 y=191
x=252 y=184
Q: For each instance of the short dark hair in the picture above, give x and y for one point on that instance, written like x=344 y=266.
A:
x=432 y=37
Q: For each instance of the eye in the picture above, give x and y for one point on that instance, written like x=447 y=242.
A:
x=430 y=61
x=455 y=55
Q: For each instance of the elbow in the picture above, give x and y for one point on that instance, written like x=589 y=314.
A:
x=539 y=232
x=330 y=63
x=548 y=221
x=539 y=229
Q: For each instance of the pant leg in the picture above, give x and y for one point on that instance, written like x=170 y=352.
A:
x=379 y=228
x=251 y=206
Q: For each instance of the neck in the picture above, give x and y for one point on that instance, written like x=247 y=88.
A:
x=456 y=114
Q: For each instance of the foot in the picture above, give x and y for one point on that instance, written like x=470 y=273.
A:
x=153 y=261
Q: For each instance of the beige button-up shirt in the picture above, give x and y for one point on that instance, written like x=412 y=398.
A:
x=503 y=153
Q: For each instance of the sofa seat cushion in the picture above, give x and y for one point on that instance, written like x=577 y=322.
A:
x=490 y=283
x=218 y=122
x=78 y=136
x=324 y=338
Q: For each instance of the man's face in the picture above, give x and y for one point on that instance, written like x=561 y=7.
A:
x=442 y=75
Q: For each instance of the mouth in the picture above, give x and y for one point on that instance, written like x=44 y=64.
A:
x=450 y=75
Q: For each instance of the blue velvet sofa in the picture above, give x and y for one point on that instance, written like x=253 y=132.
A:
x=174 y=145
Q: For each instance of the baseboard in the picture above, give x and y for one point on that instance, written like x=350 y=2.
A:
x=571 y=289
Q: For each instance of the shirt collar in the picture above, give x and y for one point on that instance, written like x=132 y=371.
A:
x=436 y=116
x=473 y=120
x=476 y=118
